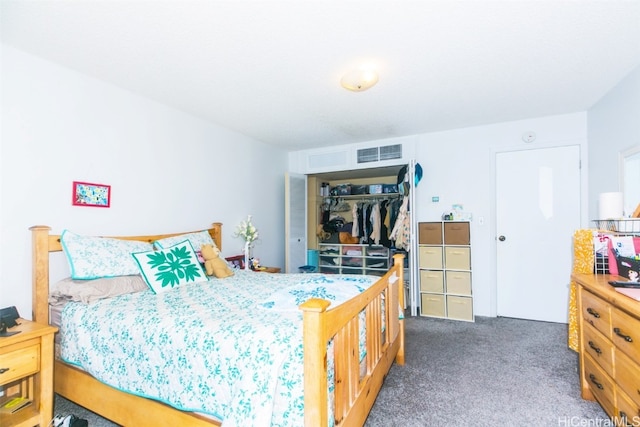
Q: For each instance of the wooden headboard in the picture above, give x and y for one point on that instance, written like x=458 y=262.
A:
x=44 y=243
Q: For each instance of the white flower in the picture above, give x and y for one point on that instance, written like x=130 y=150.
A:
x=247 y=231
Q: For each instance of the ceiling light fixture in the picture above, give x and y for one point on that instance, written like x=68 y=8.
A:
x=359 y=80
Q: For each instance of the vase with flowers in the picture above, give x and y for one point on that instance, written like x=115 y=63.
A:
x=248 y=232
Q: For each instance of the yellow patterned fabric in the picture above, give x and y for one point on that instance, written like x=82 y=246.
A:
x=582 y=263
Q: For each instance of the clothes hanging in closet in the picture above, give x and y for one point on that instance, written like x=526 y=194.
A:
x=355 y=230
x=375 y=223
x=401 y=232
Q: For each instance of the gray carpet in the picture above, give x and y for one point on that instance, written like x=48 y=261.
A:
x=494 y=372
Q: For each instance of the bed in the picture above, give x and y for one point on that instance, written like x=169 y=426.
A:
x=365 y=332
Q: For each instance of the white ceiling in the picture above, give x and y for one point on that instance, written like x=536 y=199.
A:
x=271 y=69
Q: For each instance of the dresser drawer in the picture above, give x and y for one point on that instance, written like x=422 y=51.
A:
x=625 y=333
x=628 y=411
x=457 y=258
x=430 y=257
x=596 y=312
x=431 y=281
x=19 y=363
x=627 y=376
x=600 y=384
x=598 y=347
x=458 y=282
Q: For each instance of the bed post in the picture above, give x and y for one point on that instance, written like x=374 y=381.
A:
x=398 y=260
x=216 y=234
x=315 y=362
x=40 y=273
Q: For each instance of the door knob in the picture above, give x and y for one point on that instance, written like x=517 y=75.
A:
x=502 y=238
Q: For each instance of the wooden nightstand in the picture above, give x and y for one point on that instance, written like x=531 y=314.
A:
x=26 y=366
x=269 y=270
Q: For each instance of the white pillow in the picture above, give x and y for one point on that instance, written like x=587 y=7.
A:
x=93 y=257
x=168 y=268
x=88 y=291
x=196 y=239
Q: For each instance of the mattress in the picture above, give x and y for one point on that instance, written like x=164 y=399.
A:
x=229 y=348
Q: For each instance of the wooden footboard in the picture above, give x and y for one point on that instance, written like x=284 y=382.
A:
x=354 y=392
x=122 y=408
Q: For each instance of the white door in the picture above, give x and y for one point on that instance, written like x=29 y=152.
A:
x=537 y=211
x=295 y=199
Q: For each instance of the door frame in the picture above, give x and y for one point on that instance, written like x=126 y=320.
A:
x=584 y=203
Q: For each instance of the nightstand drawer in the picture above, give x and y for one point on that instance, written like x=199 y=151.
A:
x=19 y=363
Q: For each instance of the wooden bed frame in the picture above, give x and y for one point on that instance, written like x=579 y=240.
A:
x=355 y=391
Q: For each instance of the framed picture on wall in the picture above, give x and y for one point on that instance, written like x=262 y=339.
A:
x=94 y=195
x=236 y=261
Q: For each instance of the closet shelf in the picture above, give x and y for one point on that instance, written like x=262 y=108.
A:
x=363 y=196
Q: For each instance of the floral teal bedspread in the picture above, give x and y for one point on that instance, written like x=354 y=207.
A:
x=230 y=348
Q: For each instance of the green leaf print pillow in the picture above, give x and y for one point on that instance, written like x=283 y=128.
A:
x=171 y=267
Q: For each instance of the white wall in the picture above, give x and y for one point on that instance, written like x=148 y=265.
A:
x=614 y=125
x=169 y=171
x=458 y=167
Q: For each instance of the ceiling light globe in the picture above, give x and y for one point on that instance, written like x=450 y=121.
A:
x=359 y=80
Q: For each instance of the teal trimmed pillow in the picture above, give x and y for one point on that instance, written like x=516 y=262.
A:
x=168 y=268
x=196 y=239
x=92 y=257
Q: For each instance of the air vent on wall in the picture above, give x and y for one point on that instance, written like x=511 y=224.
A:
x=390 y=152
x=387 y=152
x=367 y=155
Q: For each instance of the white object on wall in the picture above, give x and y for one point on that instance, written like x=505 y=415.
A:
x=611 y=205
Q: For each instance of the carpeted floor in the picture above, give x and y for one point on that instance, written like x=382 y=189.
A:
x=494 y=372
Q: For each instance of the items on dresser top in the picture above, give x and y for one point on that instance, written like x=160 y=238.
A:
x=624 y=284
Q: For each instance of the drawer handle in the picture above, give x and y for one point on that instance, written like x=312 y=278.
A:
x=592 y=312
x=3 y=370
x=593 y=380
x=623 y=417
x=595 y=348
x=627 y=338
